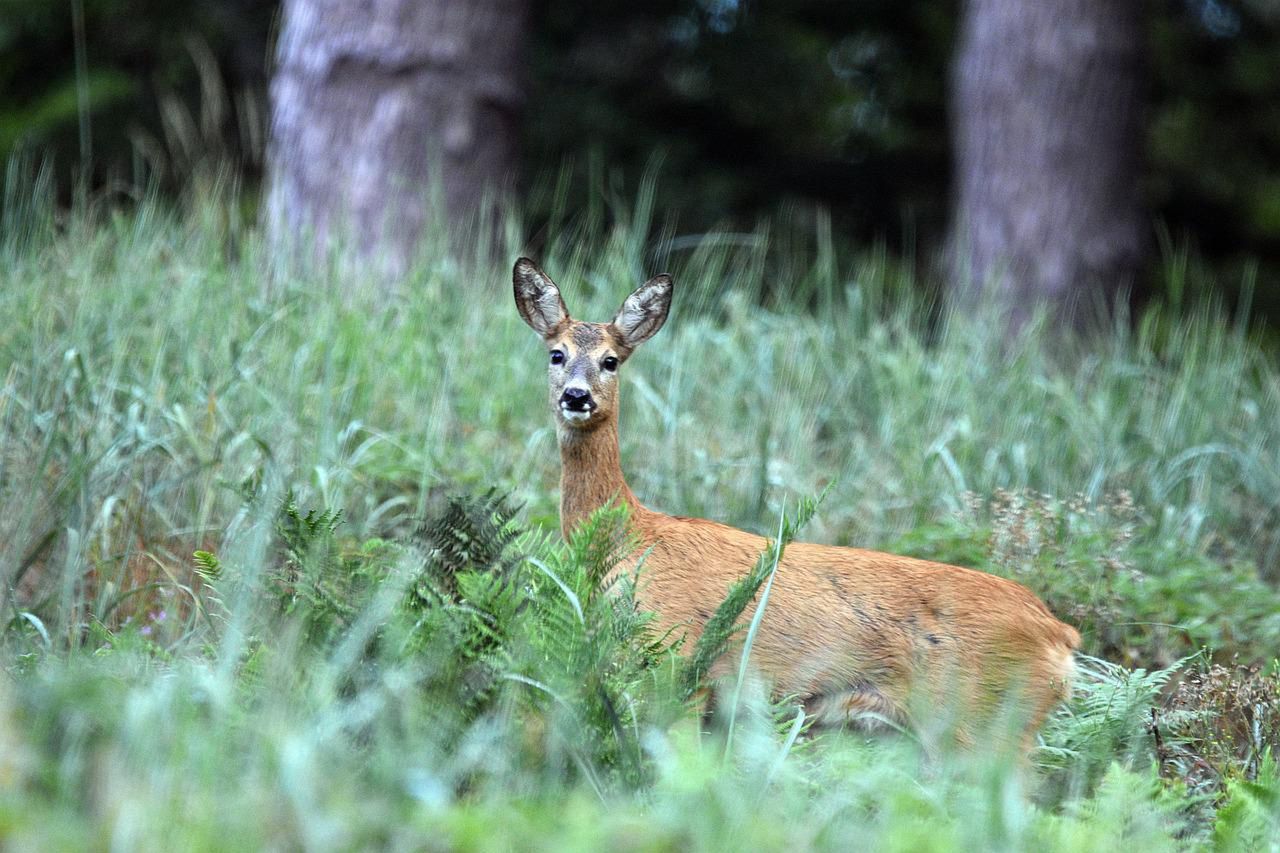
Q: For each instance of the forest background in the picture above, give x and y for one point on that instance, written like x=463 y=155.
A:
x=742 y=110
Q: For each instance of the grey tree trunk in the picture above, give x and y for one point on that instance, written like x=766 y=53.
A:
x=375 y=103
x=1047 y=133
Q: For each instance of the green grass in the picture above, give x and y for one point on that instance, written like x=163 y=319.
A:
x=335 y=682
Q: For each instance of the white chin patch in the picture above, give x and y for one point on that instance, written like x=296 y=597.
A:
x=574 y=417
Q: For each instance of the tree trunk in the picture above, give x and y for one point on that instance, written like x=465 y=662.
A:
x=376 y=104
x=1047 y=132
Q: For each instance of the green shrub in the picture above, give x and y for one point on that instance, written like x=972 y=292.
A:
x=240 y=609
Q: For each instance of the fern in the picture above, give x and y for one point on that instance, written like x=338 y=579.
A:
x=316 y=582
x=300 y=532
x=210 y=571
x=1250 y=818
x=467 y=604
x=1109 y=717
x=470 y=533
x=600 y=543
x=208 y=566
x=597 y=669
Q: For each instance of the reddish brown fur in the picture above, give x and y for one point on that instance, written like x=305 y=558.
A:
x=849 y=631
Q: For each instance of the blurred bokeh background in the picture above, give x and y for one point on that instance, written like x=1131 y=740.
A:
x=1155 y=124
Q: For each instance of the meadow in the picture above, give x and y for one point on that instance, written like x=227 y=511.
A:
x=280 y=564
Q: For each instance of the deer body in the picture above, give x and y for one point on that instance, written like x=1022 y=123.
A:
x=851 y=632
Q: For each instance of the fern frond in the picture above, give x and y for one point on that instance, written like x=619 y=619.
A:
x=208 y=566
x=472 y=532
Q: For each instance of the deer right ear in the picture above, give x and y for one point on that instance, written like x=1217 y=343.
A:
x=644 y=312
x=537 y=298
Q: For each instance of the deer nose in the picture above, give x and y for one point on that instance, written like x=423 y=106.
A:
x=577 y=400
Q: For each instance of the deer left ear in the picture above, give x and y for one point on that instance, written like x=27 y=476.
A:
x=537 y=298
x=644 y=312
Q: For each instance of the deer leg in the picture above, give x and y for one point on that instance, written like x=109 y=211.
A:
x=864 y=708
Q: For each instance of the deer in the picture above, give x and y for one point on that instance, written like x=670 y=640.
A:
x=862 y=638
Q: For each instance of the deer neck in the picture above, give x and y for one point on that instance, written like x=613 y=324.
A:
x=590 y=473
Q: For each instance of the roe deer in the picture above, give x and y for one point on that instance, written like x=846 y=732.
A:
x=857 y=635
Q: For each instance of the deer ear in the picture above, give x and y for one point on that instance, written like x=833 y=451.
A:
x=537 y=298
x=644 y=312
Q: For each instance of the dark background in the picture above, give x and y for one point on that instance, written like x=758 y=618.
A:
x=744 y=110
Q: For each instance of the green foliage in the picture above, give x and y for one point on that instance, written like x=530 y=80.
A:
x=1100 y=564
x=470 y=532
x=584 y=738
x=208 y=565
x=465 y=604
x=1108 y=720
x=1129 y=809
x=592 y=665
x=1250 y=817
x=160 y=92
x=194 y=656
x=171 y=92
x=315 y=582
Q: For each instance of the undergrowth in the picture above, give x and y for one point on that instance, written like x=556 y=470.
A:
x=278 y=565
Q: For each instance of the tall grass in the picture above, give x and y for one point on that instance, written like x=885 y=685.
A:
x=166 y=387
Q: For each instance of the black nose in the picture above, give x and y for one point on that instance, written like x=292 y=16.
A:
x=577 y=400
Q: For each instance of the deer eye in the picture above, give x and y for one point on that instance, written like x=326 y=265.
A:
x=610 y=363
x=557 y=357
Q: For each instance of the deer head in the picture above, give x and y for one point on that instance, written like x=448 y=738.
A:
x=583 y=358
